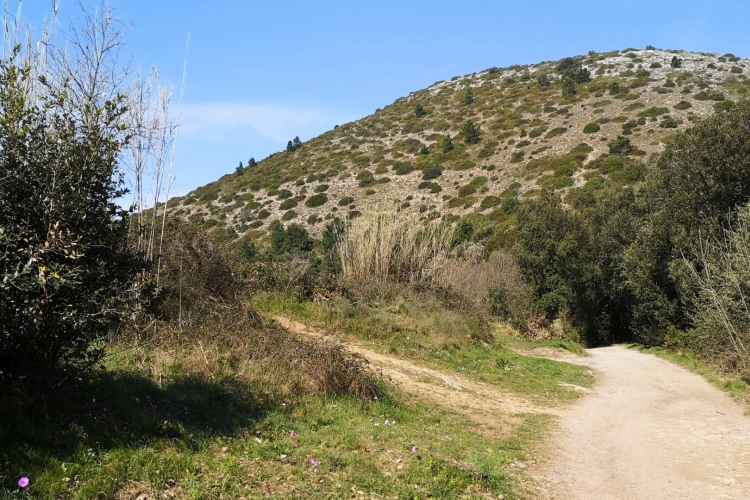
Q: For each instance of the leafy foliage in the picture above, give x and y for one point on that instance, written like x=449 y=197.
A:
x=65 y=268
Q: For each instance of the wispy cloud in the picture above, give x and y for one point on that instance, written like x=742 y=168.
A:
x=272 y=122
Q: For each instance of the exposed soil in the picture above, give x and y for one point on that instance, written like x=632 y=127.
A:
x=648 y=430
x=493 y=410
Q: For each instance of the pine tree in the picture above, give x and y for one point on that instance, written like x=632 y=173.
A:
x=251 y=162
x=289 y=147
x=240 y=168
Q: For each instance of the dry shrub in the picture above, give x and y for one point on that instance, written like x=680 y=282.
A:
x=232 y=343
x=721 y=299
x=494 y=283
x=379 y=248
x=200 y=326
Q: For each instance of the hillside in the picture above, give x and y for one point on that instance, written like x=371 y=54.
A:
x=552 y=125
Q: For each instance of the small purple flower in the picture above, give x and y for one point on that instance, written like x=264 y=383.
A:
x=413 y=449
x=314 y=463
x=23 y=482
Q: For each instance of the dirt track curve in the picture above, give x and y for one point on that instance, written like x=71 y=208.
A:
x=648 y=430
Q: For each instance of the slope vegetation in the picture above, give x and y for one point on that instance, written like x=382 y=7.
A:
x=479 y=143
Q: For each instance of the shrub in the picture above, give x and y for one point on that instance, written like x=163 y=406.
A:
x=346 y=200
x=676 y=62
x=419 y=111
x=434 y=187
x=568 y=88
x=289 y=215
x=591 y=128
x=316 y=200
x=402 y=168
x=65 y=269
x=471 y=133
x=719 y=275
x=572 y=70
x=432 y=172
x=290 y=240
x=682 y=105
x=620 y=146
x=446 y=144
x=321 y=188
x=287 y=204
x=365 y=178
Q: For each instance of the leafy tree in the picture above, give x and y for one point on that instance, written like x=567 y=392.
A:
x=291 y=240
x=240 y=168
x=702 y=177
x=65 y=269
x=296 y=142
x=572 y=69
x=251 y=163
x=471 y=133
x=289 y=147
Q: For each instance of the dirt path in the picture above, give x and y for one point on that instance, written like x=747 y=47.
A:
x=648 y=430
x=493 y=410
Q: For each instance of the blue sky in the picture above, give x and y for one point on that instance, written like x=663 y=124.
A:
x=260 y=73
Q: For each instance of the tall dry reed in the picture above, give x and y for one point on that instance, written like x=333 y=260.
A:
x=388 y=247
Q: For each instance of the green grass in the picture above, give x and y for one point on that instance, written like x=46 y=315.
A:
x=198 y=438
x=424 y=330
x=736 y=387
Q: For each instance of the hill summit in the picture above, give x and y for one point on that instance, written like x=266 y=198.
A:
x=479 y=143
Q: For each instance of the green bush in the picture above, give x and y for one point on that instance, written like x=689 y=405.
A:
x=346 y=200
x=287 y=204
x=402 y=168
x=66 y=271
x=620 y=146
x=591 y=128
x=471 y=133
x=316 y=200
x=432 y=172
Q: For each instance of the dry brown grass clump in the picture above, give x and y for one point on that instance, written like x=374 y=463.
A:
x=232 y=344
x=199 y=324
x=390 y=247
x=485 y=281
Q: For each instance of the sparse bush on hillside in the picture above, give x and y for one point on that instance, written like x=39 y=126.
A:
x=471 y=133
x=620 y=146
x=591 y=128
x=676 y=62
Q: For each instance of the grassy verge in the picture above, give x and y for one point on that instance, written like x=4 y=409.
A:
x=736 y=387
x=180 y=435
x=420 y=328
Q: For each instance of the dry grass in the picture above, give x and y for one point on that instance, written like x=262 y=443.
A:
x=474 y=278
x=389 y=247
